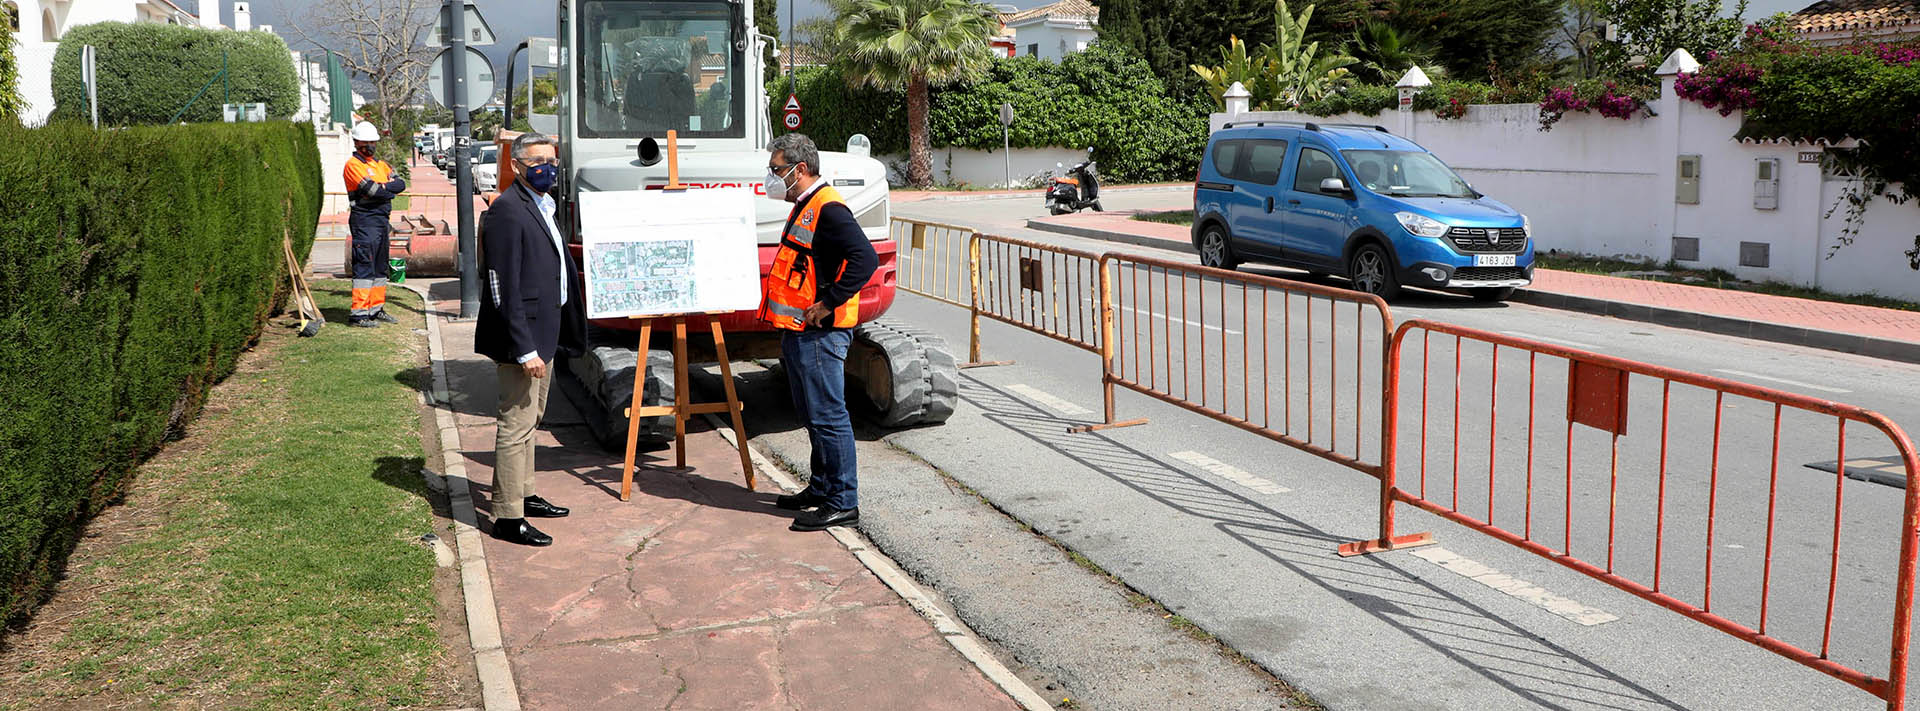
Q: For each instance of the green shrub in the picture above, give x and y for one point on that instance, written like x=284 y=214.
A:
x=1103 y=97
x=148 y=72
x=135 y=266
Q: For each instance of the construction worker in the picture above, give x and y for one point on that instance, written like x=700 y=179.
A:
x=813 y=293
x=371 y=187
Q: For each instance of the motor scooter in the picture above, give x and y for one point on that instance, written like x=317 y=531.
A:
x=1074 y=189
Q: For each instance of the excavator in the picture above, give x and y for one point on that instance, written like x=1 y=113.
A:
x=629 y=72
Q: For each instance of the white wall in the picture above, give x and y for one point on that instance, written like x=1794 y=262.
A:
x=985 y=168
x=1603 y=186
x=36 y=81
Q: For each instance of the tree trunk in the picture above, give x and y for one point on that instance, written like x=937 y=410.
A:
x=919 y=144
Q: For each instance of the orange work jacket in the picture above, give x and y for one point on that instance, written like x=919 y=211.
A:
x=793 y=283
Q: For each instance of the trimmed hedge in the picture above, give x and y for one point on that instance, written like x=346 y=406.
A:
x=148 y=72
x=1103 y=97
x=135 y=266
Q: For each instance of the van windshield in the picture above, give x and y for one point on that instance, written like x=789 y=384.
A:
x=1406 y=174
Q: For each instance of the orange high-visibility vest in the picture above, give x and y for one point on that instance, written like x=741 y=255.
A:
x=792 y=284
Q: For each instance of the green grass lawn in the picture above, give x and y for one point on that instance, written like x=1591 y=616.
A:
x=1171 y=217
x=268 y=560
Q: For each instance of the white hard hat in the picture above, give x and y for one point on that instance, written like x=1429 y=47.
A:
x=364 y=131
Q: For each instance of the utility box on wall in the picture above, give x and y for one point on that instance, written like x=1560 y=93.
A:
x=1686 y=189
x=1766 y=183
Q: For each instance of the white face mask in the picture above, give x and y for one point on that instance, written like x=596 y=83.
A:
x=777 y=186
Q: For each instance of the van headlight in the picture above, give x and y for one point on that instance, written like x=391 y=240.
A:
x=1526 y=225
x=1421 y=225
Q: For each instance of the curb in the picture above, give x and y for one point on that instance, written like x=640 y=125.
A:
x=1040 y=192
x=497 y=689
x=1869 y=346
x=1883 y=348
x=957 y=634
x=1040 y=224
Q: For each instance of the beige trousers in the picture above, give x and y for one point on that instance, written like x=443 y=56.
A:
x=523 y=400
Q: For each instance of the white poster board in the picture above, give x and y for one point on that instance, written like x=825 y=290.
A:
x=655 y=253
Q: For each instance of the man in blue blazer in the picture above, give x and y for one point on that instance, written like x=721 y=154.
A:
x=530 y=312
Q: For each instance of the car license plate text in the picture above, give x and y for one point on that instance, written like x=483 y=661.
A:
x=1494 y=260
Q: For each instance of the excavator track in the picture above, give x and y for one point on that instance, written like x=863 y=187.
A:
x=602 y=387
x=908 y=373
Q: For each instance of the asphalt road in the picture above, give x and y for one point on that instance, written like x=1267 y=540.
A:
x=1235 y=531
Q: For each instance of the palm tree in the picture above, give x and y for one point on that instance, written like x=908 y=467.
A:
x=914 y=45
x=1385 y=52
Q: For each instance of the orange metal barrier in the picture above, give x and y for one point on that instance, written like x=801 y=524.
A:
x=1654 y=516
x=1053 y=291
x=933 y=260
x=1192 y=336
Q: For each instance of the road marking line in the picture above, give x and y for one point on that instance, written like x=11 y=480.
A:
x=1048 y=401
x=1230 y=472
x=1795 y=383
x=1532 y=594
x=1550 y=339
x=1188 y=324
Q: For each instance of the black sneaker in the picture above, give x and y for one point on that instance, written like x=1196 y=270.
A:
x=825 y=517
x=800 y=501
x=362 y=322
x=384 y=317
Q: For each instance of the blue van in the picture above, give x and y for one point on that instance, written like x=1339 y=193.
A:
x=1356 y=201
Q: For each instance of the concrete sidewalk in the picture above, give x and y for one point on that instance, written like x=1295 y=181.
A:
x=693 y=595
x=1881 y=333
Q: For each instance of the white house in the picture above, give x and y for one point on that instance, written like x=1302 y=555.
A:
x=1052 y=31
x=38 y=25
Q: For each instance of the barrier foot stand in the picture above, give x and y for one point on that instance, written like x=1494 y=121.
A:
x=984 y=364
x=1382 y=545
x=1083 y=429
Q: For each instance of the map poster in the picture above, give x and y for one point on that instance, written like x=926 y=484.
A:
x=656 y=253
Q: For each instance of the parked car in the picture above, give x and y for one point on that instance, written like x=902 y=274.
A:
x=440 y=159
x=1356 y=201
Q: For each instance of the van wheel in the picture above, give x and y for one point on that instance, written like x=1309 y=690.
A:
x=1493 y=293
x=1371 y=271
x=1215 y=249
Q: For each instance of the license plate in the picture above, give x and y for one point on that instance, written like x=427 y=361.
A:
x=1494 y=260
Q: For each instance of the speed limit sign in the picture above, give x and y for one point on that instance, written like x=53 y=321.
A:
x=792 y=119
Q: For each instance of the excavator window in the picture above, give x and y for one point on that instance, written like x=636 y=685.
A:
x=650 y=67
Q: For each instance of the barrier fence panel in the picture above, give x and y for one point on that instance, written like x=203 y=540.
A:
x=1302 y=364
x=933 y=260
x=1731 y=504
x=1053 y=291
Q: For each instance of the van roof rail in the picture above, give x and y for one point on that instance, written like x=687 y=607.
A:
x=1375 y=127
x=1309 y=125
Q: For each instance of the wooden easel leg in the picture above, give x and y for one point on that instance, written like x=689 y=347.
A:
x=680 y=398
x=633 y=420
x=733 y=400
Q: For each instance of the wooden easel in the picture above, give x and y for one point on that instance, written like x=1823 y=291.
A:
x=682 y=408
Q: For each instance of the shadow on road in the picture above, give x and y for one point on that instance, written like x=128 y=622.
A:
x=1539 y=671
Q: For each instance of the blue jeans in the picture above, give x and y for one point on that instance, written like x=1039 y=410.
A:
x=816 y=362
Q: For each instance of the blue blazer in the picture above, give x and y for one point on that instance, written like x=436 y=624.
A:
x=520 y=310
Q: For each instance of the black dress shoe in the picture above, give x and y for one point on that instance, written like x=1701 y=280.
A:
x=825 y=517
x=539 y=508
x=796 y=502
x=517 y=530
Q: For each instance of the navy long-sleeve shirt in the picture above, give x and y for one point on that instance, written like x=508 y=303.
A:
x=838 y=241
